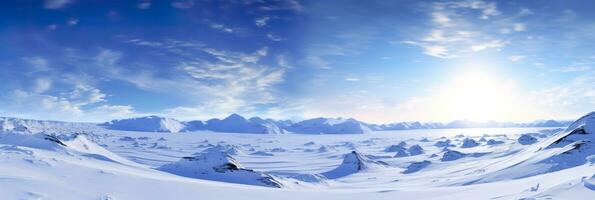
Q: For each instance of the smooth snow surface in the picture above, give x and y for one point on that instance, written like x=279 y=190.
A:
x=60 y=160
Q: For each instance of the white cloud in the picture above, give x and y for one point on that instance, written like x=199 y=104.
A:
x=52 y=27
x=440 y=18
x=183 y=4
x=525 y=11
x=39 y=64
x=516 y=58
x=262 y=21
x=567 y=100
x=42 y=85
x=76 y=105
x=575 y=69
x=293 y=5
x=141 y=42
x=55 y=4
x=222 y=28
x=110 y=112
x=144 y=5
x=274 y=37
x=72 y=22
x=437 y=51
x=352 y=79
x=487 y=9
x=85 y=95
x=487 y=45
x=518 y=27
x=453 y=34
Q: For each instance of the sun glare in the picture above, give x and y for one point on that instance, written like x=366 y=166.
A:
x=480 y=96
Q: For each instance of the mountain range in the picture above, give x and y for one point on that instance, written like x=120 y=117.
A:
x=235 y=123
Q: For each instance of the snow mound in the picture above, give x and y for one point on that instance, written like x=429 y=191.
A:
x=329 y=126
x=309 y=143
x=401 y=153
x=415 y=150
x=228 y=149
x=394 y=148
x=469 y=143
x=352 y=163
x=146 y=124
x=494 y=142
x=261 y=153
x=416 y=166
x=450 y=155
x=526 y=139
x=444 y=143
x=214 y=164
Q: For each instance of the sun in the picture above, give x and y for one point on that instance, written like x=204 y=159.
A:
x=479 y=96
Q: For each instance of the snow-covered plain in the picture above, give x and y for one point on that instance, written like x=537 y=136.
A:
x=86 y=161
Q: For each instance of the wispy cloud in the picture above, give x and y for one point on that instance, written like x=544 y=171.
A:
x=72 y=22
x=261 y=21
x=293 y=5
x=568 y=69
x=183 y=4
x=55 y=4
x=516 y=58
x=453 y=34
x=221 y=28
x=566 y=100
x=274 y=37
x=144 y=5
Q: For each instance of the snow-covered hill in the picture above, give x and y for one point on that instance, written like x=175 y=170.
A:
x=216 y=164
x=238 y=124
x=329 y=126
x=353 y=163
x=147 y=124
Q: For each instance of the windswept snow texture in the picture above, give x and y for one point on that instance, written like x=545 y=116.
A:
x=62 y=160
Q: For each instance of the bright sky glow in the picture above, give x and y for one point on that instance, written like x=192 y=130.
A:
x=377 y=61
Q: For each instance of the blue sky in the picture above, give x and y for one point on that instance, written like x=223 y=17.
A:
x=377 y=61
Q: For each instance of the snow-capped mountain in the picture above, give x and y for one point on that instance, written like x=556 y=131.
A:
x=147 y=124
x=216 y=164
x=238 y=124
x=466 y=124
x=8 y=124
x=329 y=126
